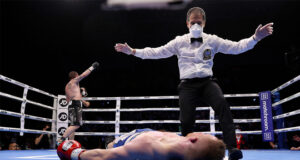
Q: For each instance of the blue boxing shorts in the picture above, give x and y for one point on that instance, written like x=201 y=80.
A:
x=125 y=138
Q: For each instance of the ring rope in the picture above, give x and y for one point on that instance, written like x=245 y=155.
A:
x=97 y=134
x=286 y=99
x=11 y=96
x=240 y=132
x=170 y=121
x=10 y=129
x=244 y=107
x=179 y=133
x=39 y=118
x=149 y=98
x=9 y=113
x=15 y=114
x=40 y=104
x=287 y=129
x=286 y=84
x=98 y=110
x=99 y=122
x=25 y=100
x=216 y=133
x=160 y=97
x=241 y=95
x=165 y=109
x=25 y=86
x=287 y=114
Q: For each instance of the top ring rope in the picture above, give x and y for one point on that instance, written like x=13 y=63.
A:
x=25 y=86
x=286 y=84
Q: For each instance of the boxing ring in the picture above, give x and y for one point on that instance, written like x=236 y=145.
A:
x=248 y=155
x=119 y=106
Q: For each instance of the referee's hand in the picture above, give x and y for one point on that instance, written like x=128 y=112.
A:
x=263 y=31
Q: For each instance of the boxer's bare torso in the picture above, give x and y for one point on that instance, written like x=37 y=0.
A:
x=72 y=90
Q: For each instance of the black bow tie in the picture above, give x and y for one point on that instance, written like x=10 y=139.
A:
x=197 y=39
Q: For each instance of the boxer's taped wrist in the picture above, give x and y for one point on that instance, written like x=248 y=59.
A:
x=133 y=52
x=91 y=68
x=76 y=153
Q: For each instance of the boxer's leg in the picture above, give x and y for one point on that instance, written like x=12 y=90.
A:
x=70 y=130
x=72 y=135
x=75 y=123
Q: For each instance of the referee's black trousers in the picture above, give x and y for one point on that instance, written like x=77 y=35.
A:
x=192 y=91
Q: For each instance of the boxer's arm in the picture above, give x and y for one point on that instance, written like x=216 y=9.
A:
x=94 y=66
x=106 y=154
x=68 y=99
x=136 y=149
x=85 y=103
x=82 y=75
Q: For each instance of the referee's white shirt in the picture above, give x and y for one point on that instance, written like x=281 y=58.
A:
x=196 y=59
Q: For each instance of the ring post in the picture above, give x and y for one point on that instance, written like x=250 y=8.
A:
x=23 y=106
x=266 y=116
x=117 y=123
x=279 y=122
x=212 y=120
x=54 y=123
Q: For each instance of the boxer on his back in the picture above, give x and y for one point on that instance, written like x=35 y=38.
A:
x=147 y=144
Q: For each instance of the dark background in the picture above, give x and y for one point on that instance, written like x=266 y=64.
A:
x=42 y=40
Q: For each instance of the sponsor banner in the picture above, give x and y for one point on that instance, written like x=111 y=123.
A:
x=62 y=115
x=61 y=128
x=266 y=116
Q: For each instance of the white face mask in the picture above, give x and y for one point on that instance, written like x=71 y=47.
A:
x=196 y=31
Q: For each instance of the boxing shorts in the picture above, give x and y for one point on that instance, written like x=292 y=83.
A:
x=75 y=113
x=125 y=138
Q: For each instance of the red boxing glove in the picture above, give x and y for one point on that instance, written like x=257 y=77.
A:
x=69 y=150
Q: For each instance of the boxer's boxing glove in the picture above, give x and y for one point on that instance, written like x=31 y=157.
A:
x=69 y=150
x=94 y=66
